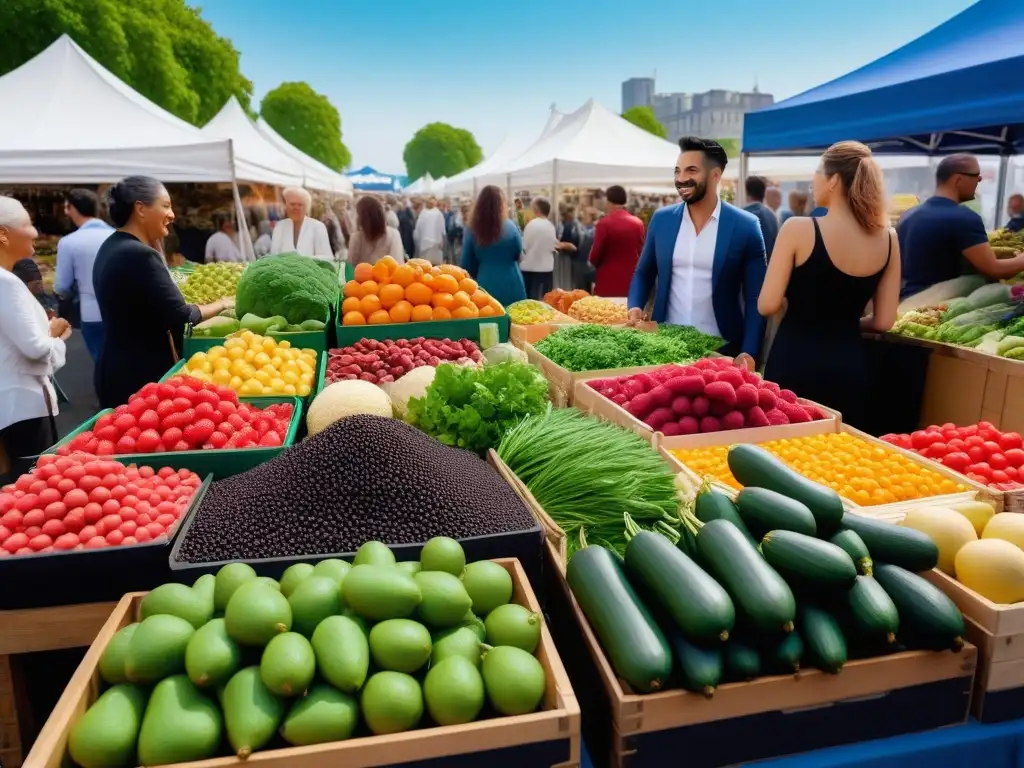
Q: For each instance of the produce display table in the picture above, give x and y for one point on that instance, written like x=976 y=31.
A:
x=32 y=631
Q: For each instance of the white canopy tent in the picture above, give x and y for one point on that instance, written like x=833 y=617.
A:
x=427 y=185
x=78 y=124
x=489 y=170
x=256 y=159
x=316 y=175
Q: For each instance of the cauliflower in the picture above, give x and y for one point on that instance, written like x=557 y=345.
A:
x=296 y=287
x=346 y=398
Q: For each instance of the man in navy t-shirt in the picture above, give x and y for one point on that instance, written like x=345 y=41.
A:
x=940 y=239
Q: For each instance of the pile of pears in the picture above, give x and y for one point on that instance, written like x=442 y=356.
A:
x=239 y=662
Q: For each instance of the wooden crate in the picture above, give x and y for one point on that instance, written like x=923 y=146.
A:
x=767 y=717
x=563 y=381
x=998 y=632
x=550 y=737
x=520 y=335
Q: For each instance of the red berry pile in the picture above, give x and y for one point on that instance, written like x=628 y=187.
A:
x=712 y=395
x=183 y=414
x=980 y=451
x=382 y=361
x=85 y=502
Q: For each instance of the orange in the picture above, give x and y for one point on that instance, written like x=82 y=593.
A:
x=443 y=300
x=445 y=283
x=353 y=318
x=418 y=293
x=391 y=295
x=381 y=271
x=380 y=317
x=352 y=288
x=468 y=284
x=368 y=288
x=453 y=269
x=389 y=262
x=363 y=272
x=462 y=299
x=442 y=313
x=480 y=298
x=351 y=304
x=403 y=275
x=421 y=313
x=487 y=311
x=421 y=263
x=401 y=312
x=461 y=313
x=428 y=280
x=498 y=309
x=369 y=304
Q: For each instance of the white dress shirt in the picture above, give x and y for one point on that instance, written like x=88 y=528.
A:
x=76 y=253
x=221 y=247
x=539 y=240
x=313 y=239
x=28 y=355
x=693 y=258
x=262 y=245
x=430 y=230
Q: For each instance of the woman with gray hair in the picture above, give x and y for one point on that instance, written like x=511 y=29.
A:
x=262 y=245
x=300 y=232
x=143 y=311
x=31 y=347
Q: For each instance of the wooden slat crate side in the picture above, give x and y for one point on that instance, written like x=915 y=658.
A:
x=52 y=629
x=996 y=619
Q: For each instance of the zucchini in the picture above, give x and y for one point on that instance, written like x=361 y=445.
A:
x=928 y=619
x=756 y=468
x=759 y=594
x=784 y=657
x=764 y=510
x=852 y=544
x=742 y=662
x=808 y=563
x=715 y=505
x=636 y=647
x=694 y=601
x=699 y=669
x=871 y=611
x=894 y=544
x=824 y=640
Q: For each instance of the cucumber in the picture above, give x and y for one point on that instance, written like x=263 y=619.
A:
x=715 y=505
x=742 y=662
x=928 y=619
x=808 y=563
x=784 y=657
x=764 y=510
x=756 y=468
x=693 y=600
x=852 y=544
x=824 y=640
x=871 y=611
x=636 y=647
x=700 y=669
x=894 y=544
x=759 y=594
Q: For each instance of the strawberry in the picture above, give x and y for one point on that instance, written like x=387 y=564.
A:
x=776 y=417
x=756 y=418
x=766 y=399
x=199 y=431
x=149 y=420
x=170 y=437
x=270 y=440
x=747 y=396
x=217 y=440
x=125 y=445
x=721 y=391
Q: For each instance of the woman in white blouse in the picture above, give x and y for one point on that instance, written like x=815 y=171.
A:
x=299 y=232
x=31 y=347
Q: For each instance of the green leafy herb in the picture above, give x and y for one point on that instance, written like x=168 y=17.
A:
x=473 y=408
x=597 y=347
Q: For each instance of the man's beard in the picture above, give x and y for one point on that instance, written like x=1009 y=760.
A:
x=697 y=189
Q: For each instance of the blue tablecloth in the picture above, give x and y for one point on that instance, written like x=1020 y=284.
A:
x=972 y=745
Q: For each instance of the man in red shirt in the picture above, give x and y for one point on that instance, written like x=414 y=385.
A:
x=618 y=240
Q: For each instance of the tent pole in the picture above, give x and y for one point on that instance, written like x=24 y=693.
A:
x=242 y=226
x=557 y=273
x=741 y=183
x=1004 y=167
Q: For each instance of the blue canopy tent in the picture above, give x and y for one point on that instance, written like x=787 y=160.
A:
x=956 y=88
x=368 y=179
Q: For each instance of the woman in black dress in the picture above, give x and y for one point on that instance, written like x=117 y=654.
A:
x=828 y=270
x=143 y=311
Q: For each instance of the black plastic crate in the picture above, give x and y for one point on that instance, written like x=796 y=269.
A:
x=90 y=575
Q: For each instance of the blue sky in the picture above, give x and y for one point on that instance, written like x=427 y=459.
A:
x=495 y=68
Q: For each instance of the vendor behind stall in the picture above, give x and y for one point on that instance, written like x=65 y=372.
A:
x=942 y=239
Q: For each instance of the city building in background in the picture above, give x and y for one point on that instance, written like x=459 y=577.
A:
x=715 y=114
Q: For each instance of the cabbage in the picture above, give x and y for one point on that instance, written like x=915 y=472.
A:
x=413 y=384
x=501 y=353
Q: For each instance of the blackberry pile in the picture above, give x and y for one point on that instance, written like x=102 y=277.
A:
x=363 y=478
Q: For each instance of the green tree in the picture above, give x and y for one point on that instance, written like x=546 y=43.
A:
x=731 y=146
x=643 y=117
x=161 y=48
x=440 y=150
x=309 y=121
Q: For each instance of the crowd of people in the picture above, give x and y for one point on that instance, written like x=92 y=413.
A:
x=801 y=284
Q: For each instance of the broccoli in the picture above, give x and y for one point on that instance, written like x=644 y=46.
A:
x=296 y=287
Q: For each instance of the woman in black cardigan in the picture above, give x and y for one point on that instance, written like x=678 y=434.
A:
x=144 y=314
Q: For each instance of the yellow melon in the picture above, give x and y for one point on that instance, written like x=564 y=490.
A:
x=978 y=512
x=1008 y=526
x=993 y=568
x=948 y=529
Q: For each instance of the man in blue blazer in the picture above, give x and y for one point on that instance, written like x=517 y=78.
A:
x=703 y=258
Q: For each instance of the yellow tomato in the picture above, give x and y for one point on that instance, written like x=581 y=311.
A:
x=303 y=389
x=260 y=359
x=197 y=359
x=262 y=377
x=289 y=389
x=252 y=386
x=236 y=383
x=284 y=344
x=216 y=353
x=277 y=385
x=235 y=343
x=222 y=377
x=269 y=345
x=249 y=356
x=290 y=377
